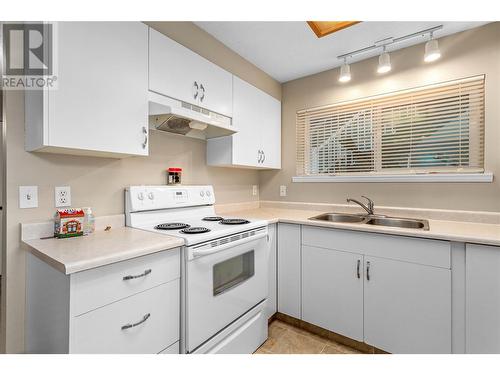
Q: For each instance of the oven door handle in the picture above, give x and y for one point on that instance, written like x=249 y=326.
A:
x=200 y=253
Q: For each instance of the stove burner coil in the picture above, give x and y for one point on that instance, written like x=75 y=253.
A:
x=195 y=230
x=213 y=218
x=234 y=221
x=171 y=226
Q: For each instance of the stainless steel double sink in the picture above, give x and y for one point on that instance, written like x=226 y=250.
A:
x=379 y=220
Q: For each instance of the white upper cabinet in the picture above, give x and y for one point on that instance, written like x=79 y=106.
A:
x=179 y=73
x=100 y=106
x=257 y=120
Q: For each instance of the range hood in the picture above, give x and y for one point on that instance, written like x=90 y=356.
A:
x=176 y=116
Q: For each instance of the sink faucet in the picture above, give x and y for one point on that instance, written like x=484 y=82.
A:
x=368 y=208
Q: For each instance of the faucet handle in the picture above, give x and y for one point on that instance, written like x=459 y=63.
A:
x=370 y=203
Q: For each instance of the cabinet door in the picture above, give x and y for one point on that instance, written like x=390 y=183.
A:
x=101 y=101
x=271 y=307
x=173 y=69
x=332 y=290
x=289 y=270
x=270 y=112
x=179 y=73
x=407 y=306
x=247 y=142
x=216 y=88
x=482 y=286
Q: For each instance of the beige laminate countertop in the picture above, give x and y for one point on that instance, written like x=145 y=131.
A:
x=479 y=233
x=70 y=255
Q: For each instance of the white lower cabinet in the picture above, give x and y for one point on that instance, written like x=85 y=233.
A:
x=332 y=290
x=482 y=287
x=131 y=306
x=145 y=323
x=407 y=307
x=391 y=292
x=272 y=301
x=289 y=283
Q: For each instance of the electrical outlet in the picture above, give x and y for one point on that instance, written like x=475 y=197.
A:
x=62 y=196
x=282 y=190
x=255 y=190
x=28 y=196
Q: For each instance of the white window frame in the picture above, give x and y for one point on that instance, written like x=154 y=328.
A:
x=396 y=175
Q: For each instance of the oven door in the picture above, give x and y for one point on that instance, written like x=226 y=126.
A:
x=224 y=285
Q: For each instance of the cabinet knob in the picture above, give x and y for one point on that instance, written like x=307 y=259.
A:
x=202 y=92
x=195 y=89
x=145 y=132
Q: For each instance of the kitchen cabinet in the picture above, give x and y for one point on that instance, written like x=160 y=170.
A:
x=289 y=283
x=407 y=307
x=179 y=73
x=332 y=290
x=131 y=306
x=482 y=287
x=257 y=119
x=272 y=302
x=100 y=104
x=400 y=301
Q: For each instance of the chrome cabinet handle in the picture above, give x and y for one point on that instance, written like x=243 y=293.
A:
x=145 y=132
x=202 y=92
x=131 y=325
x=263 y=156
x=196 y=89
x=357 y=269
x=131 y=277
x=259 y=156
x=368 y=271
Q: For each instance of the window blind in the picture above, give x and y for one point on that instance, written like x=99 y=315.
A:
x=432 y=129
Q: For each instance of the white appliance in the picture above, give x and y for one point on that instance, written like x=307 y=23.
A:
x=175 y=116
x=225 y=278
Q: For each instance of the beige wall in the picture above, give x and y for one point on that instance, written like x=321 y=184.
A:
x=465 y=54
x=99 y=182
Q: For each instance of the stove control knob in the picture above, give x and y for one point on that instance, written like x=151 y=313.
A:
x=151 y=196
x=140 y=196
x=202 y=193
x=208 y=193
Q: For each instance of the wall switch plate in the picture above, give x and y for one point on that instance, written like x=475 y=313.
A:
x=28 y=196
x=282 y=190
x=62 y=196
x=255 y=190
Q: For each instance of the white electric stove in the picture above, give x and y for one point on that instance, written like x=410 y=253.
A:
x=224 y=267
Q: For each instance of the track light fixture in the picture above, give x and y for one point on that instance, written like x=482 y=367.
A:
x=384 y=62
x=345 y=72
x=432 y=52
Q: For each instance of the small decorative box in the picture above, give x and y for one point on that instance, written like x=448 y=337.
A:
x=69 y=222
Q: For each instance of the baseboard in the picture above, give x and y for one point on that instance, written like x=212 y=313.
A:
x=322 y=332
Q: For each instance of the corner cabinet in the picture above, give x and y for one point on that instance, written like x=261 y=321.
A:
x=482 y=310
x=100 y=104
x=177 y=72
x=257 y=143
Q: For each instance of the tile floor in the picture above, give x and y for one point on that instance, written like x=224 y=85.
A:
x=287 y=339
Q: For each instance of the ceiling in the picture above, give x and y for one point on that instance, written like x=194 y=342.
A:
x=290 y=50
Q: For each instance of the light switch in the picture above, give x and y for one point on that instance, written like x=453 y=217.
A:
x=255 y=190
x=28 y=196
x=282 y=190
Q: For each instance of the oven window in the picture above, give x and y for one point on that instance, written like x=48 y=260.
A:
x=233 y=272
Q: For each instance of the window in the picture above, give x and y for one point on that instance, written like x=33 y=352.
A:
x=428 y=130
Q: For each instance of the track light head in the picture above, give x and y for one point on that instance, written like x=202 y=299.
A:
x=432 y=52
x=345 y=72
x=384 y=63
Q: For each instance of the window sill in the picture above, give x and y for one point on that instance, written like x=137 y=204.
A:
x=431 y=177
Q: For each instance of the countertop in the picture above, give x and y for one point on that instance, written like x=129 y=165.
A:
x=70 y=255
x=479 y=233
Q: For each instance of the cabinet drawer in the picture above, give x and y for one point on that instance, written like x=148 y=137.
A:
x=416 y=250
x=101 y=330
x=103 y=285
